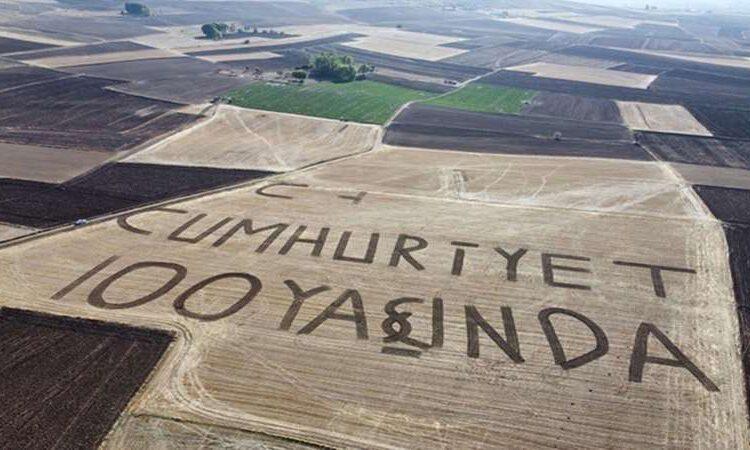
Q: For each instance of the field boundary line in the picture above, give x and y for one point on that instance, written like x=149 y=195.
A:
x=114 y=88
x=194 y=196
x=227 y=427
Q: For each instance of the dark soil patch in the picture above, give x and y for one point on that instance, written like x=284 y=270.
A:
x=665 y=89
x=20 y=75
x=262 y=14
x=619 y=41
x=528 y=81
x=93 y=27
x=678 y=45
x=149 y=182
x=398 y=14
x=738 y=242
x=187 y=80
x=150 y=69
x=574 y=107
x=411 y=84
x=721 y=122
x=42 y=205
x=544 y=127
x=708 y=89
x=443 y=128
x=697 y=150
x=66 y=381
x=480 y=141
x=110 y=189
x=726 y=204
x=8 y=45
x=464 y=45
x=83 y=50
x=288 y=60
x=78 y=112
x=497 y=56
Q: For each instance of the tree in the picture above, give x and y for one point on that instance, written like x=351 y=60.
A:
x=299 y=74
x=329 y=66
x=346 y=73
x=211 y=31
x=137 y=9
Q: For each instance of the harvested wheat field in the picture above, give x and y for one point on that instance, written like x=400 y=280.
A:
x=589 y=184
x=54 y=62
x=507 y=235
x=390 y=41
x=587 y=75
x=380 y=320
x=661 y=118
x=238 y=138
x=8 y=232
x=30 y=36
x=249 y=56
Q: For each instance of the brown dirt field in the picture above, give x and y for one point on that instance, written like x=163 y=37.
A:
x=728 y=177
x=587 y=75
x=66 y=380
x=263 y=367
x=410 y=76
x=49 y=165
x=238 y=138
x=661 y=118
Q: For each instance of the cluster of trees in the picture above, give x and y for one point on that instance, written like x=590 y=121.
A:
x=271 y=33
x=137 y=9
x=337 y=68
x=218 y=30
x=215 y=30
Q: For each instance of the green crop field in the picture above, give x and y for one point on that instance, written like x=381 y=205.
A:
x=358 y=101
x=485 y=98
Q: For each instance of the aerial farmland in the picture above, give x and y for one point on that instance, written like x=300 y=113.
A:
x=292 y=224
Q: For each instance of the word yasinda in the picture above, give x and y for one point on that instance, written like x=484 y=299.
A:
x=349 y=306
